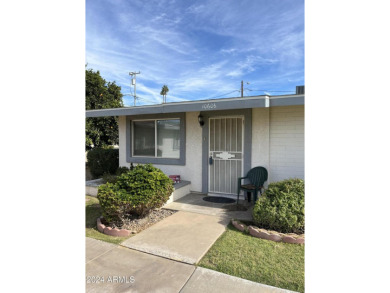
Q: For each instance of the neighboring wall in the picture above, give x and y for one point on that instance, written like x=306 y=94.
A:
x=278 y=141
x=192 y=170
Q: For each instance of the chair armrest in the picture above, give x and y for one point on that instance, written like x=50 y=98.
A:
x=239 y=182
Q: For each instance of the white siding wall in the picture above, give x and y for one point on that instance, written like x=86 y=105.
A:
x=287 y=142
x=277 y=144
x=192 y=170
x=122 y=142
x=260 y=137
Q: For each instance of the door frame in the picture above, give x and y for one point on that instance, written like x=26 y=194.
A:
x=247 y=137
x=242 y=148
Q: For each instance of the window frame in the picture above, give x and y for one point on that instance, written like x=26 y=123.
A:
x=130 y=158
x=155 y=137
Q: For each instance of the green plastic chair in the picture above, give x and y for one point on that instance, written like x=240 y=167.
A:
x=256 y=176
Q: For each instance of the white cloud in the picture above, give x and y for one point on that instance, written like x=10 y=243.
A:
x=250 y=64
x=200 y=50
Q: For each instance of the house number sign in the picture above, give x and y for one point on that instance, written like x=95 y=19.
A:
x=209 y=106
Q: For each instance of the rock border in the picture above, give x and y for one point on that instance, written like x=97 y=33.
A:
x=112 y=231
x=269 y=234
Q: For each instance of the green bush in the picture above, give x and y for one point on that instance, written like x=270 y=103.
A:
x=135 y=193
x=102 y=161
x=282 y=207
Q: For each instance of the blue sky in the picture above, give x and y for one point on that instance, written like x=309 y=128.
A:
x=200 y=49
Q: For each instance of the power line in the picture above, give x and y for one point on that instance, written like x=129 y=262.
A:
x=147 y=100
x=245 y=89
x=269 y=91
x=222 y=95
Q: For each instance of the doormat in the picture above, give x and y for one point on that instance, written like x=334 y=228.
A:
x=218 y=199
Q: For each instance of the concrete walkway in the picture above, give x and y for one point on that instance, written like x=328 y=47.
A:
x=184 y=236
x=194 y=203
x=96 y=248
x=209 y=281
x=113 y=268
x=125 y=270
x=162 y=257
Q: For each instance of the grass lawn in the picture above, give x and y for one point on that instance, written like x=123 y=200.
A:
x=273 y=263
x=92 y=212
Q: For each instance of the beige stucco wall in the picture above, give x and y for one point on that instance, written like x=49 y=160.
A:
x=192 y=170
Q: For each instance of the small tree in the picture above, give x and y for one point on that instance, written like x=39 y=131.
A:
x=164 y=92
x=100 y=94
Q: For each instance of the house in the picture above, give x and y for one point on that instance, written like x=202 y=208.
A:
x=213 y=142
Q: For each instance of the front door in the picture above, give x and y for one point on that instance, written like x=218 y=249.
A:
x=226 y=137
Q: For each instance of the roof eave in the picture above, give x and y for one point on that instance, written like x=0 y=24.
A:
x=202 y=105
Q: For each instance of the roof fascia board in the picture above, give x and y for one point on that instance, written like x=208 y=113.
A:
x=291 y=101
x=205 y=105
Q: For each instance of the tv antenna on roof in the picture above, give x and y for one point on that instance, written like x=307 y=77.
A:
x=133 y=82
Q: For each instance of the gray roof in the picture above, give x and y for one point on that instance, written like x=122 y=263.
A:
x=203 y=105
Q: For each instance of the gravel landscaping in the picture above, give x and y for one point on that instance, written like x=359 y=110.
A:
x=137 y=225
x=93 y=212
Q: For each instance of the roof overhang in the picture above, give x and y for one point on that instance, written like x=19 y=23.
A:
x=203 y=105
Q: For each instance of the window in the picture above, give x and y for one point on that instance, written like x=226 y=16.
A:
x=144 y=138
x=159 y=138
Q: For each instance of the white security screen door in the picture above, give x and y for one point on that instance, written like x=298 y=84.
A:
x=225 y=154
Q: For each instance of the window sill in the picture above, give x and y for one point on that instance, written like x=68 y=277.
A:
x=158 y=161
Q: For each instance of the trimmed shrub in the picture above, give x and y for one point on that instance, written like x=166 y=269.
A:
x=102 y=161
x=282 y=207
x=135 y=193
